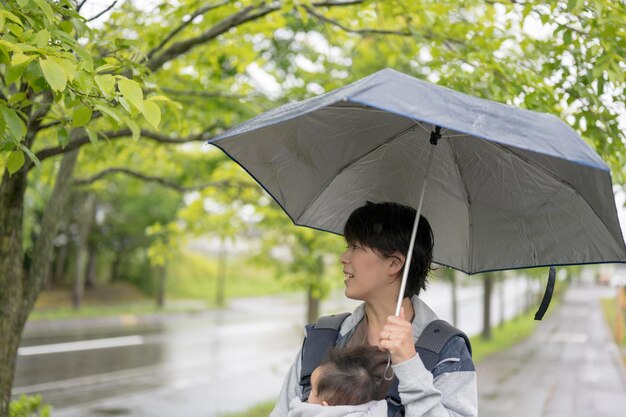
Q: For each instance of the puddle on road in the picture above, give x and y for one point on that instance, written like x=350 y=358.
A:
x=111 y=411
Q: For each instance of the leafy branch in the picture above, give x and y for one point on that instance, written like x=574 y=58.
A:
x=168 y=183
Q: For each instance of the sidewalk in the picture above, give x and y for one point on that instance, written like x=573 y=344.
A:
x=569 y=367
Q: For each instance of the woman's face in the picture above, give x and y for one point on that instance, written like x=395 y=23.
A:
x=367 y=274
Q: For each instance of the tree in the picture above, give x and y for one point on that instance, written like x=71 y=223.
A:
x=66 y=83
x=301 y=253
x=488 y=280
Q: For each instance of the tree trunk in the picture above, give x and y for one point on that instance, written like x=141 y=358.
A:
x=488 y=289
x=115 y=267
x=501 y=285
x=19 y=291
x=313 y=292
x=313 y=306
x=84 y=217
x=161 y=271
x=12 y=191
x=529 y=294
x=90 y=272
x=59 y=265
x=220 y=282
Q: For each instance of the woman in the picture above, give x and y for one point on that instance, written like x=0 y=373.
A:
x=378 y=238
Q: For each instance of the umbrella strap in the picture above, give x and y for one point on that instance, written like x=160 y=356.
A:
x=547 y=296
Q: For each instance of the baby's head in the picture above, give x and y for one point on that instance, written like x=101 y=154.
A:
x=345 y=377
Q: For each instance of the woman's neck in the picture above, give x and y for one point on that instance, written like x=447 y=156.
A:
x=377 y=311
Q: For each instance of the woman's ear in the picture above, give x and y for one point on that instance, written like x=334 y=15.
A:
x=396 y=263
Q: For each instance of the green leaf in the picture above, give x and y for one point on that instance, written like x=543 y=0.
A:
x=108 y=111
x=15 y=161
x=19 y=62
x=31 y=155
x=81 y=115
x=19 y=58
x=17 y=30
x=174 y=108
x=11 y=46
x=8 y=15
x=68 y=66
x=14 y=123
x=54 y=74
x=84 y=82
x=62 y=136
x=106 y=67
x=152 y=113
x=47 y=10
x=66 y=26
x=134 y=128
x=93 y=136
x=16 y=98
x=80 y=26
x=42 y=38
x=106 y=83
x=14 y=73
x=131 y=90
x=87 y=60
x=601 y=83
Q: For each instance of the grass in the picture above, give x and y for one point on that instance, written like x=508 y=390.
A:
x=503 y=337
x=609 y=307
x=117 y=299
x=193 y=275
x=191 y=285
x=259 y=410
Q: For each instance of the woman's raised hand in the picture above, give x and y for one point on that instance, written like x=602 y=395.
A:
x=397 y=338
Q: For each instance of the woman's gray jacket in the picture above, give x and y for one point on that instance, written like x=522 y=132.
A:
x=450 y=390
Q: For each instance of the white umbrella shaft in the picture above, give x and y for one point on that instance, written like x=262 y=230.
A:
x=407 y=265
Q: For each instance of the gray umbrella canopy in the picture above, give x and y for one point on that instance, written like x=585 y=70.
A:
x=507 y=188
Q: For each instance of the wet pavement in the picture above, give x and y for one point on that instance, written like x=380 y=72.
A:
x=570 y=367
x=203 y=364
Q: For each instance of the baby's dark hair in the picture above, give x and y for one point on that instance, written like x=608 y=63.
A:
x=346 y=375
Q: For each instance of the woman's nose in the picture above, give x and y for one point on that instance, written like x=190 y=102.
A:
x=344 y=257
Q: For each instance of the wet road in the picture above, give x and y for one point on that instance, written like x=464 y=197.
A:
x=569 y=367
x=205 y=364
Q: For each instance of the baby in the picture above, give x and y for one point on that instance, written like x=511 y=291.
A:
x=344 y=381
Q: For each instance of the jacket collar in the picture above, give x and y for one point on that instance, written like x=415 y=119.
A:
x=423 y=316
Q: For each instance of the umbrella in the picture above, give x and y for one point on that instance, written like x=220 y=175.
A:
x=508 y=188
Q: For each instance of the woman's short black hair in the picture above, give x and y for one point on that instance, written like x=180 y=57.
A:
x=386 y=228
x=347 y=375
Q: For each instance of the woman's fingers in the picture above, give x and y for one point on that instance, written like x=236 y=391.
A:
x=396 y=337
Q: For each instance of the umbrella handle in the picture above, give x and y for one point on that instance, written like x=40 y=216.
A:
x=433 y=140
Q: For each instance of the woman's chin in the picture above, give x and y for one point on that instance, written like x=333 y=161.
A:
x=351 y=295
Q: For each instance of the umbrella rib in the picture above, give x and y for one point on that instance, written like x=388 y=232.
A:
x=349 y=164
x=559 y=180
